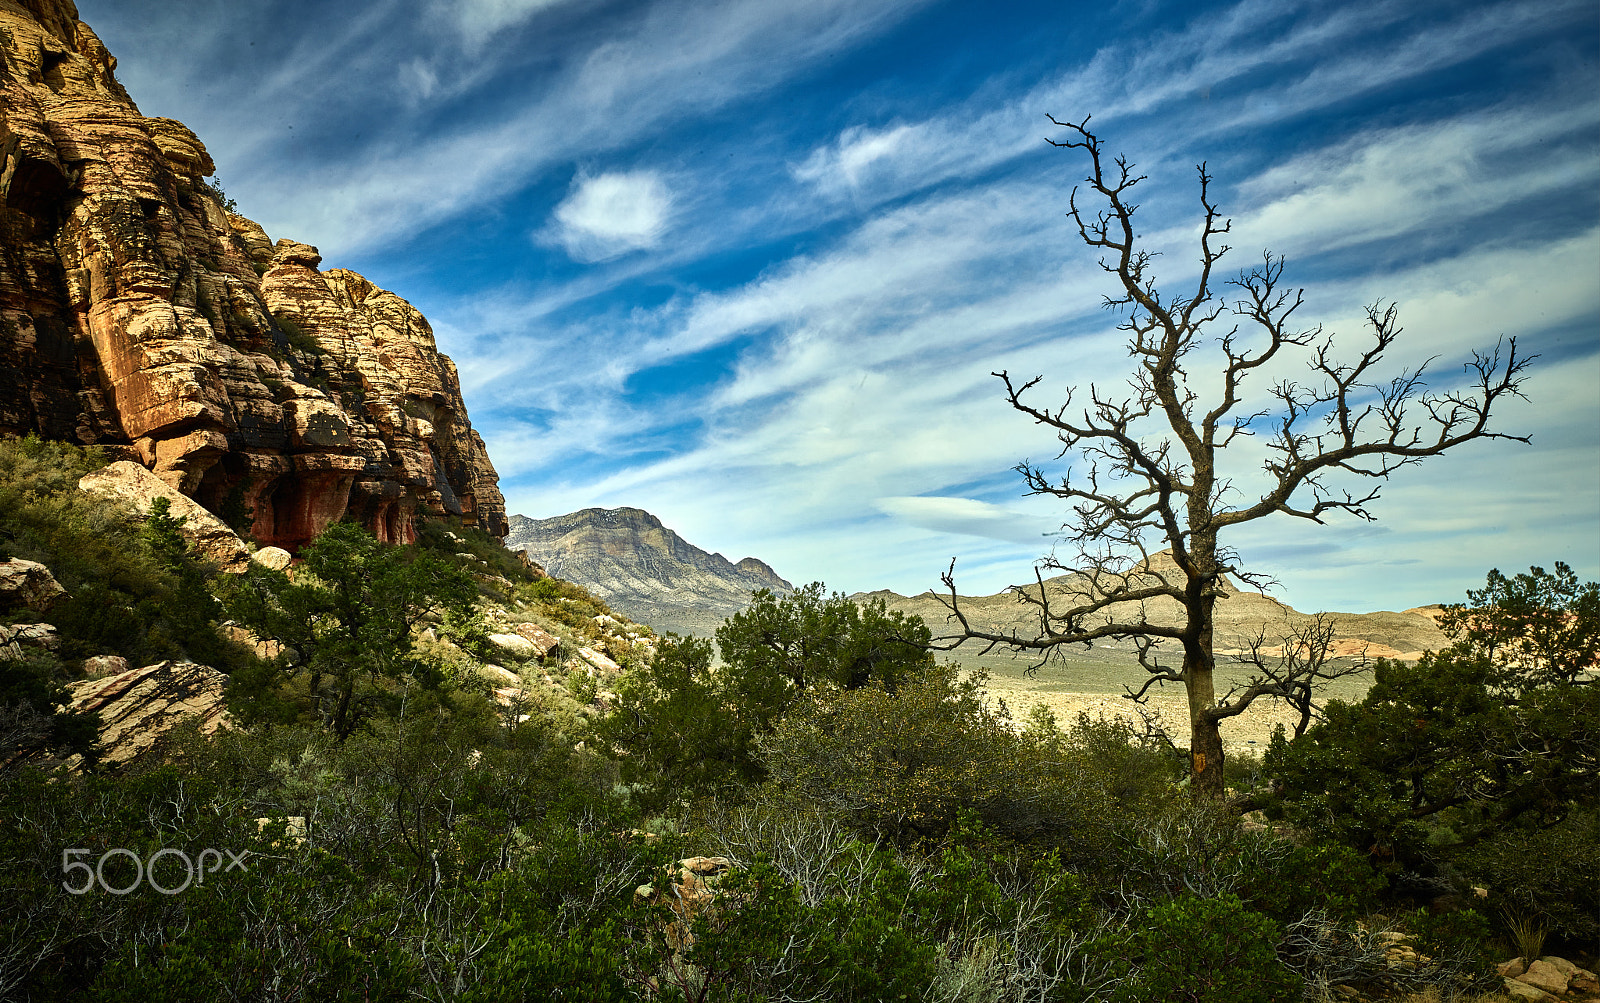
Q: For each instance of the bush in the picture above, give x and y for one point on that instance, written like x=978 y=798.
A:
x=1549 y=874
x=903 y=764
x=1205 y=950
x=1328 y=877
x=675 y=730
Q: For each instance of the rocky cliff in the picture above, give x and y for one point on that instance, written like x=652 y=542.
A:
x=627 y=557
x=139 y=313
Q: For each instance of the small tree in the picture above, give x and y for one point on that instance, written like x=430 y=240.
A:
x=780 y=648
x=685 y=725
x=344 y=619
x=1148 y=461
x=1500 y=730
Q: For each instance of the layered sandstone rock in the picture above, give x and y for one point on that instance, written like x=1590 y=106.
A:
x=138 y=312
x=139 y=706
x=28 y=584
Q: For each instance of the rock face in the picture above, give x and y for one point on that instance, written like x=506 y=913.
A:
x=139 y=313
x=628 y=558
x=139 y=706
x=29 y=584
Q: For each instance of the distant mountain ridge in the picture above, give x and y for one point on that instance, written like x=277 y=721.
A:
x=1241 y=618
x=642 y=568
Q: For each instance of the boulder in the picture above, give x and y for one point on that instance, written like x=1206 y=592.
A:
x=544 y=641
x=209 y=536
x=100 y=666
x=1542 y=974
x=1522 y=991
x=1564 y=966
x=275 y=558
x=28 y=583
x=598 y=660
x=140 y=706
x=514 y=643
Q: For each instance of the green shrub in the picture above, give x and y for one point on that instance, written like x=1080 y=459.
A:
x=1461 y=938
x=903 y=764
x=1206 y=950
x=1324 y=876
x=1548 y=873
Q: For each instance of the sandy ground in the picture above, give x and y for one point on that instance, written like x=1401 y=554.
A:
x=1251 y=730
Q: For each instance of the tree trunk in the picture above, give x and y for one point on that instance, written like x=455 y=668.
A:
x=1199 y=669
x=1205 y=738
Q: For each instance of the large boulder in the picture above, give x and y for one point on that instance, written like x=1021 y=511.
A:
x=1541 y=974
x=211 y=538
x=28 y=583
x=542 y=640
x=516 y=644
x=140 y=706
x=100 y=666
x=15 y=637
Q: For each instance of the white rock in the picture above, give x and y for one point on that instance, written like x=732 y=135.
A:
x=275 y=558
x=514 y=643
x=100 y=666
x=598 y=660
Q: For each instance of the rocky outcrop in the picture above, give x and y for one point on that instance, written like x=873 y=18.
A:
x=642 y=568
x=14 y=638
x=139 y=706
x=138 y=312
x=1548 y=978
x=29 y=584
x=210 y=537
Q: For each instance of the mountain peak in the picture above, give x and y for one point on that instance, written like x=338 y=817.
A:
x=643 y=568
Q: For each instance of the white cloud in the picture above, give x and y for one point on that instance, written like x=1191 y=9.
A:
x=843 y=163
x=478 y=20
x=611 y=214
x=969 y=517
x=418 y=79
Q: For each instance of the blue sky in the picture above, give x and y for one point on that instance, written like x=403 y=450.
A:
x=749 y=264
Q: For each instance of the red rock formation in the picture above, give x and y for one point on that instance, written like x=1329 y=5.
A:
x=137 y=312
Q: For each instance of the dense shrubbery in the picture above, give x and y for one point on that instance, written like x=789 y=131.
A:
x=1475 y=765
x=892 y=834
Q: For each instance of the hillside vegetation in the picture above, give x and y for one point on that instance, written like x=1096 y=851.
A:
x=449 y=778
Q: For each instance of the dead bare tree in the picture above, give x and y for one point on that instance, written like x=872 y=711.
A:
x=1145 y=463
